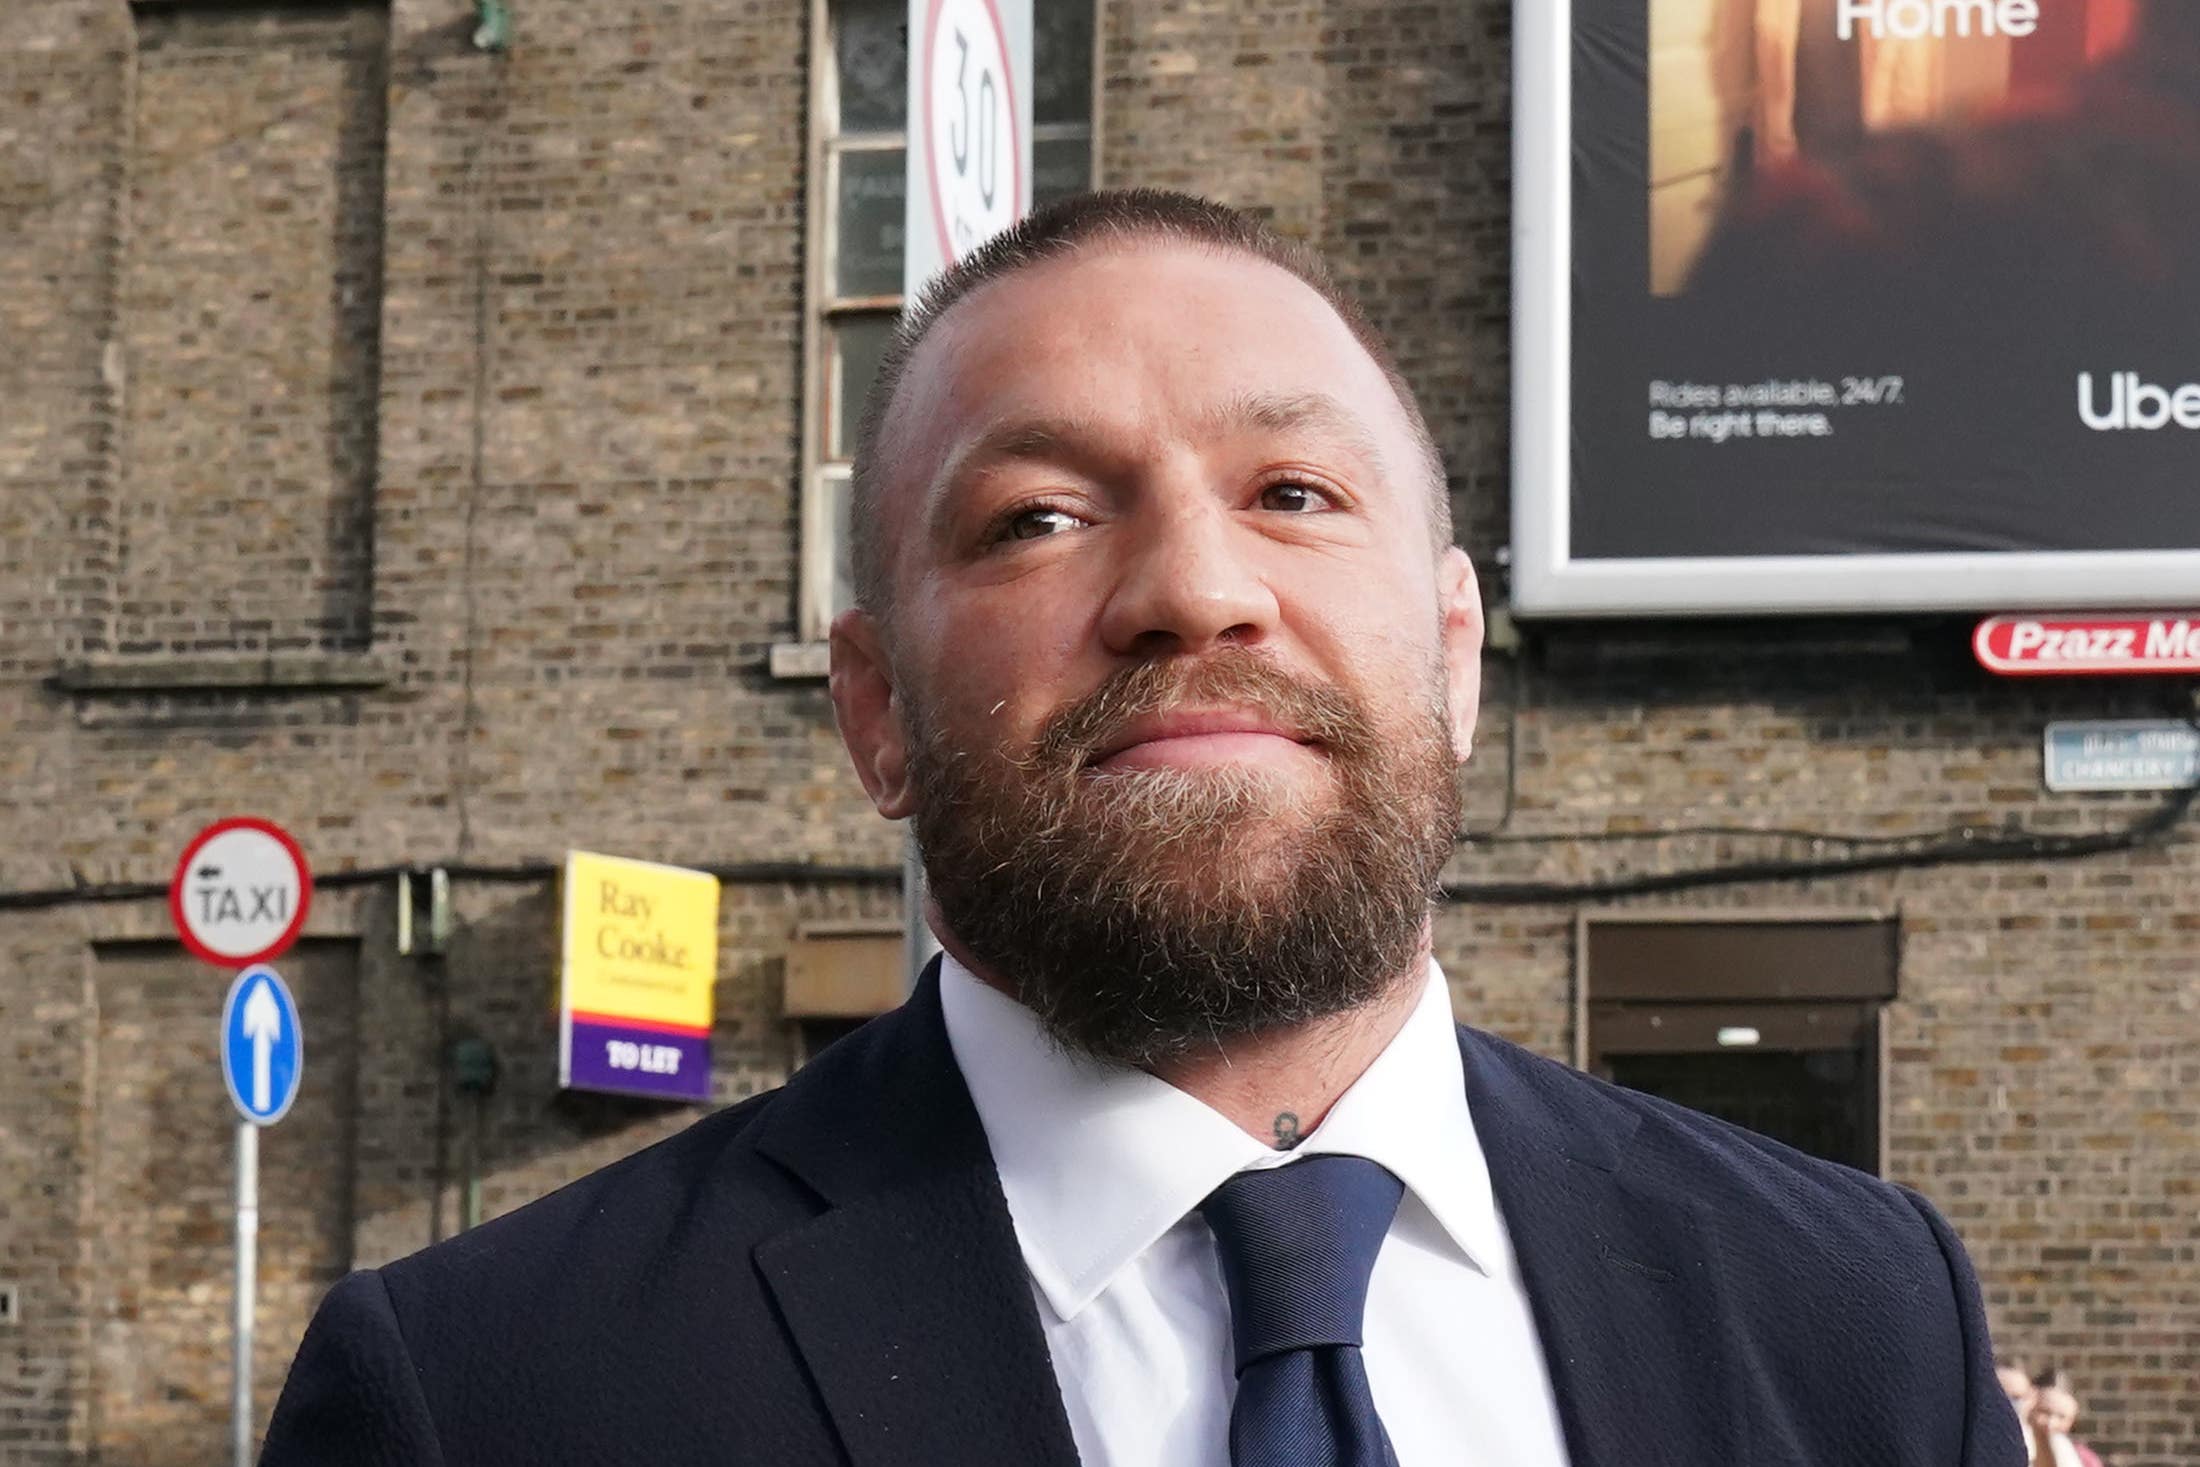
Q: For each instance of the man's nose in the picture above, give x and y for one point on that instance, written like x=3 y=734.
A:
x=1188 y=582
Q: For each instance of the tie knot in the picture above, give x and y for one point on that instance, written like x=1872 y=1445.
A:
x=1297 y=1244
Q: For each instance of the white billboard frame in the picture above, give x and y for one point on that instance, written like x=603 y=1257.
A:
x=1548 y=581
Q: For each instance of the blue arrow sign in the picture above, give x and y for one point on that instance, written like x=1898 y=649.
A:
x=263 y=1049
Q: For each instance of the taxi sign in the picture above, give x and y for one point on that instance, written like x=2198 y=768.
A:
x=239 y=895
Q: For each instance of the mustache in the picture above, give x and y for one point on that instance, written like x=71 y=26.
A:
x=1325 y=716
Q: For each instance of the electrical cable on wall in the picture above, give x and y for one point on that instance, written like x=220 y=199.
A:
x=1969 y=847
x=1955 y=846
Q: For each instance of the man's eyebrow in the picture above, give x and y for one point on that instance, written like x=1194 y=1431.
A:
x=1034 y=438
x=1059 y=439
x=1283 y=412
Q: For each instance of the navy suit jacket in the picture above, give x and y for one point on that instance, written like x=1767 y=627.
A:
x=827 y=1274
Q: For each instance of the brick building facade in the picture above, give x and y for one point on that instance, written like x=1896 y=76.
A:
x=405 y=442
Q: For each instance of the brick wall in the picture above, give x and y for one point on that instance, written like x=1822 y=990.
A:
x=585 y=352
x=63 y=111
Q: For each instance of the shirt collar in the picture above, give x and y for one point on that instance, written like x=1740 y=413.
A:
x=1098 y=1161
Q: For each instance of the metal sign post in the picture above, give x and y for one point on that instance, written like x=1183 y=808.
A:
x=239 y=898
x=917 y=942
x=263 y=1057
x=248 y=1291
x=967 y=178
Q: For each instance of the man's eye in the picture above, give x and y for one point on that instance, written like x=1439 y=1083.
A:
x=1291 y=497
x=1037 y=524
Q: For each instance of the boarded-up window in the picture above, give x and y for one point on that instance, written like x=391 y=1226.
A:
x=250 y=310
x=163 y=1204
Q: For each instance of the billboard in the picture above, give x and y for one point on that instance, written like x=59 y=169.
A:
x=1856 y=305
x=637 y=974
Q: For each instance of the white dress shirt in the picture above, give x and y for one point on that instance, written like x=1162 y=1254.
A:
x=1104 y=1169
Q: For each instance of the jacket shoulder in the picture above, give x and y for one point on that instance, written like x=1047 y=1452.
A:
x=1830 y=1285
x=601 y=1315
x=1757 y=1195
x=621 y=1218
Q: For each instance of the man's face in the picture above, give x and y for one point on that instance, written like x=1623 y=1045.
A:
x=1175 y=677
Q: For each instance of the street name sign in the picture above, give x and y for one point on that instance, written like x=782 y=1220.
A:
x=2122 y=754
x=239 y=895
x=263 y=1046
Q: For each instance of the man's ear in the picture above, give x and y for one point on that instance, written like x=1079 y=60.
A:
x=868 y=712
x=1461 y=599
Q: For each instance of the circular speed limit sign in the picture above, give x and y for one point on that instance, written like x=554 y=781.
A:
x=973 y=158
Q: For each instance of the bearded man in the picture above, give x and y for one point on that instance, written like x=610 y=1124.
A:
x=1176 y=1156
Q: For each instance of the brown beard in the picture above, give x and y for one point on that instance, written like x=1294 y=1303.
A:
x=1143 y=913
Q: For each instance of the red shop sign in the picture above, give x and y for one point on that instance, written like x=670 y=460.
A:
x=2118 y=644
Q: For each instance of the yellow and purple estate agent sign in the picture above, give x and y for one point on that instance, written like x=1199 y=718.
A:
x=640 y=959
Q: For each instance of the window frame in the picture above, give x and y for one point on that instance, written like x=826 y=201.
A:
x=822 y=475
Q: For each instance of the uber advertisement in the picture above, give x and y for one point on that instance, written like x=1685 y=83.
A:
x=1836 y=305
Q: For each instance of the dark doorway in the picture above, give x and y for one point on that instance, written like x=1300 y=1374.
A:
x=161 y=1253
x=1774 y=1026
x=1815 y=1102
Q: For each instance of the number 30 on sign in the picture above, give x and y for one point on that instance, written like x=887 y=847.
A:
x=973 y=156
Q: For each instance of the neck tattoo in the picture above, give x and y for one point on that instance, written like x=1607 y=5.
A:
x=1287 y=1130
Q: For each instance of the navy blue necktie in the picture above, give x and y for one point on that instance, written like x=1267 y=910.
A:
x=1298 y=1243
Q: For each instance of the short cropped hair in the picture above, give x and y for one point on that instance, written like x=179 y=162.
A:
x=1115 y=216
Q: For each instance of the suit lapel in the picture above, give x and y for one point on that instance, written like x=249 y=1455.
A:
x=907 y=1297
x=1619 y=1272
